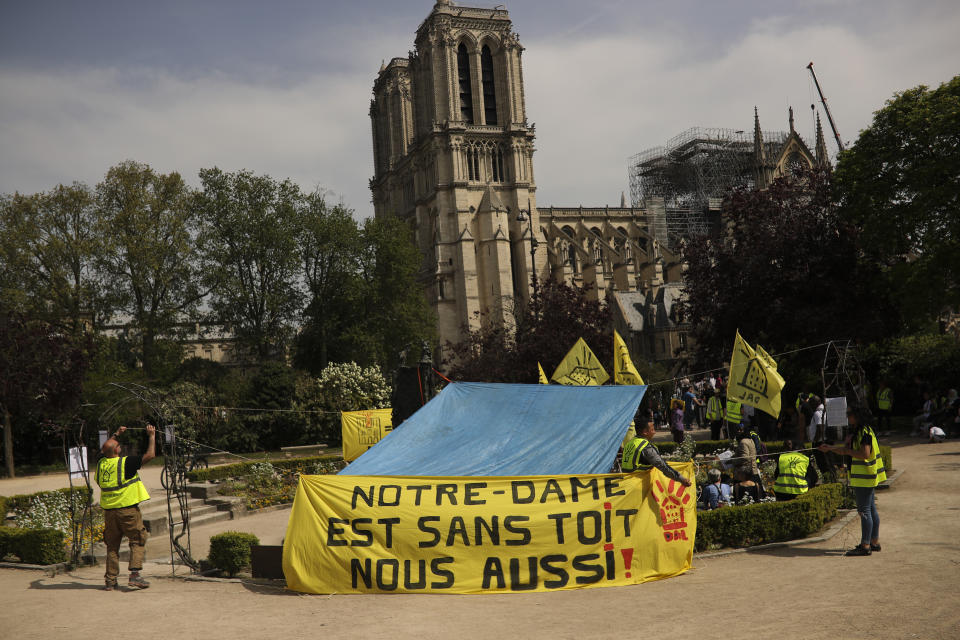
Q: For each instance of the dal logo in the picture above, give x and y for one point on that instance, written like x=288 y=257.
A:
x=370 y=431
x=673 y=506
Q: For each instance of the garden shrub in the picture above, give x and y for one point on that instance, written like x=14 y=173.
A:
x=708 y=447
x=33 y=546
x=23 y=502
x=241 y=469
x=768 y=522
x=230 y=551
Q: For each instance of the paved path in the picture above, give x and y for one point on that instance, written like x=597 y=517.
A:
x=807 y=591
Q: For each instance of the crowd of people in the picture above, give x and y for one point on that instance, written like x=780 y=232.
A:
x=705 y=405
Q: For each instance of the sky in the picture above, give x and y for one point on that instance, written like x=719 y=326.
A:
x=283 y=88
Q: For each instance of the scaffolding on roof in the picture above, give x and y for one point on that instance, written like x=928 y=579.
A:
x=693 y=171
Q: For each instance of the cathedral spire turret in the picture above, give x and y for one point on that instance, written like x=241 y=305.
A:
x=792 y=129
x=823 y=160
x=760 y=174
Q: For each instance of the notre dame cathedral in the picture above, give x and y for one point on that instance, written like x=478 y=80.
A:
x=453 y=154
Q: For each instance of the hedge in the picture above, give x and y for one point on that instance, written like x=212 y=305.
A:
x=768 y=521
x=239 y=469
x=33 y=546
x=24 y=501
x=230 y=551
x=707 y=447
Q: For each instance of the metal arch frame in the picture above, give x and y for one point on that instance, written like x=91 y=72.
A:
x=173 y=466
x=841 y=371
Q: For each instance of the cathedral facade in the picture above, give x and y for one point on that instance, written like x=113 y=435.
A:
x=453 y=154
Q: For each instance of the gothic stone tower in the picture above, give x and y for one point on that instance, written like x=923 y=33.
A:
x=453 y=154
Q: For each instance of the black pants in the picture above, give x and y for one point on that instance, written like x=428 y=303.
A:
x=715 y=429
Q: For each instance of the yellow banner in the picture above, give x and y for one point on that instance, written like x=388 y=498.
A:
x=363 y=429
x=543 y=376
x=580 y=367
x=754 y=379
x=367 y=534
x=623 y=370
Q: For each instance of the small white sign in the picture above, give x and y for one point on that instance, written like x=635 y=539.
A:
x=168 y=433
x=104 y=436
x=77 y=462
x=837 y=412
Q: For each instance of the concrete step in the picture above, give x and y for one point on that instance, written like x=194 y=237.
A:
x=159 y=534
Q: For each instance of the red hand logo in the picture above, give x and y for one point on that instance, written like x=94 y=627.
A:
x=672 y=501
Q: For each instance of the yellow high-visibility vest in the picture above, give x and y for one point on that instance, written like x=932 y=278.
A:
x=864 y=473
x=884 y=399
x=733 y=411
x=792 y=473
x=631 y=455
x=714 y=408
x=114 y=491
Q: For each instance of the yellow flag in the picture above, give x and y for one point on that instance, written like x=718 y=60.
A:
x=623 y=370
x=754 y=379
x=543 y=376
x=360 y=430
x=580 y=368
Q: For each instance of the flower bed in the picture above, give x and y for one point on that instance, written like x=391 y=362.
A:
x=44 y=523
x=264 y=484
x=241 y=469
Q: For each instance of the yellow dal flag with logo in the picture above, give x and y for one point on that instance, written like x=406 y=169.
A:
x=580 y=368
x=395 y=534
x=543 y=376
x=363 y=429
x=754 y=379
x=623 y=370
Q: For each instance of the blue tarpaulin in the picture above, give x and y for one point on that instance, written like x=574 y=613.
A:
x=483 y=429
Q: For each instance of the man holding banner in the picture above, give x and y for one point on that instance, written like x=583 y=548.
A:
x=640 y=454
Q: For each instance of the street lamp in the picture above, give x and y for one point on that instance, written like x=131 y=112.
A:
x=522 y=217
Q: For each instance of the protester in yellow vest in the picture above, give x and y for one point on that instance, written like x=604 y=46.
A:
x=794 y=475
x=734 y=416
x=640 y=454
x=866 y=472
x=884 y=404
x=715 y=415
x=121 y=493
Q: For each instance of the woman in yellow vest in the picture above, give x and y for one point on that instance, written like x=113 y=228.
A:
x=866 y=472
x=121 y=493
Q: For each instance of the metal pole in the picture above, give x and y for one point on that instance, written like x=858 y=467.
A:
x=833 y=126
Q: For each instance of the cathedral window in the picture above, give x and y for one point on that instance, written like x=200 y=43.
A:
x=496 y=165
x=473 y=163
x=572 y=258
x=466 y=94
x=489 y=89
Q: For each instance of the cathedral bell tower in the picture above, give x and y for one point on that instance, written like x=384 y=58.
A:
x=453 y=154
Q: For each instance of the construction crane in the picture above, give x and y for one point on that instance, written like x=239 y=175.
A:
x=833 y=126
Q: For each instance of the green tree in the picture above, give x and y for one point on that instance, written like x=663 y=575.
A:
x=330 y=248
x=785 y=273
x=17 y=234
x=150 y=260
x=41 y=371
x=250 y=230
x=542 y=332
x=340 y=387
x=368 y=306
x=49 y=245
x=900 y=184
x=395 y=310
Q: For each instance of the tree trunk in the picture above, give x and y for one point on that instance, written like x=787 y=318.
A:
x=8 y=443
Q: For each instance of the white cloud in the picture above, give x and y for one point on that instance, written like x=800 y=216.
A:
x=596 y=100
